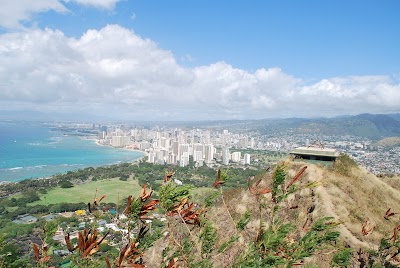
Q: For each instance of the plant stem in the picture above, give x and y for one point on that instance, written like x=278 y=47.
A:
x=190 y=233
x=227 y=210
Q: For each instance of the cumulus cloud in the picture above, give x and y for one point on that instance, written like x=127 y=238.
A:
x=114 y=72
x=15 y=11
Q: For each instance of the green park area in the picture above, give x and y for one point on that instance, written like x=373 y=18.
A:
x=85 y=192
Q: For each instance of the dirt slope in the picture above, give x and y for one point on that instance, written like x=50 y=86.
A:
x=354 y=199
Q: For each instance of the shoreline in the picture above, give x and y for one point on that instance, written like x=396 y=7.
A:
x=96 y=141
x=122 y=148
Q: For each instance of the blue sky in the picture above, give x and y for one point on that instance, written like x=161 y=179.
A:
x=233 y=59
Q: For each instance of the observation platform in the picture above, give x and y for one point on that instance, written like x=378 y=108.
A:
x=316 y=153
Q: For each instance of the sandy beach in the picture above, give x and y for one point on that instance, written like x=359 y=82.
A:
x=97 y=141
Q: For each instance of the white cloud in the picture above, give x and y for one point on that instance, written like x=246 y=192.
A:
x=104 y=4
x=114 y=72
x=12 y=12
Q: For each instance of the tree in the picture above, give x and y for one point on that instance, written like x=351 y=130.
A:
x=66 y=184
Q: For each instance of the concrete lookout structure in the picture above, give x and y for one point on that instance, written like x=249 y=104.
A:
x=315 y=153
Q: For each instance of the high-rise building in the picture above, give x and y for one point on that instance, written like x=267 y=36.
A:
x=164 y=143
x=252 y=143
x=184 y=160
x=171 y=159
x=191 y=140
x=102 y=135
x=235 y=156
x=208 y=153
x=151 y=157
x=144 y=145
x=198 y=156
x=175 y=149
x=225 y=156
x=120 y=141
x=198 y=147
x=246 y=159
x=207 y=137
x=183 y=149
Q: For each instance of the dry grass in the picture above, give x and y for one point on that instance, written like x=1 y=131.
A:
x=393 y=181
x=361 y=197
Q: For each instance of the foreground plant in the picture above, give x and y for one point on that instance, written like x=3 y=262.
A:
x=41 y=255
x=190 y=234
x=280 y=242
x=386 y=255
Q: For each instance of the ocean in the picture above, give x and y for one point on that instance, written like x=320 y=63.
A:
x=29 y=150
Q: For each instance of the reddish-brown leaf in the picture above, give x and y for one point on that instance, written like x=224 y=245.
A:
x=104 y=196
x=365 y=230
x=190 y=216
x=108 y=262
x=394 y=236
x=128 y=205
x=295 y=178
x=68 y=242
x=87 y=251
x=305 y=223
x=187 y=210
x=180 y=206
x=218 y=181
x=389 y=214
x=171 y=264
x=169 y=176
x=256 y=191
x=93 y=237
x=257 y=183
x=144 y=196
x=122 y=254
x=81 y=242
x=395 y=231
x=129 y=250
x=36 y=250
x=150 y=206
x=264 y=191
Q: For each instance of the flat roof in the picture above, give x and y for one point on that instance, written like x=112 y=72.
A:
x=316 y=151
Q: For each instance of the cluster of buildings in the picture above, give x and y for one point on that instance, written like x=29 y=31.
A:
x=179 y=147
x=216 y=145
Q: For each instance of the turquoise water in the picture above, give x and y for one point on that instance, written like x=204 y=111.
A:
x=34 y=151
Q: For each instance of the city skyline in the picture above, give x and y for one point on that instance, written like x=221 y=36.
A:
x=199 y=61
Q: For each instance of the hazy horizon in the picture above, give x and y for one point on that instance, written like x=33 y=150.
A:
x=21 y=116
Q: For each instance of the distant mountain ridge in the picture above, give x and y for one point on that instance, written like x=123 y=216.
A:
x=372 y=126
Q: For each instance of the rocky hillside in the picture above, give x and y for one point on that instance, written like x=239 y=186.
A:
x=355 y=200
